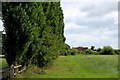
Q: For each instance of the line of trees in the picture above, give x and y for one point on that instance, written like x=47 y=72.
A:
x=34 y=32
x=106 y=50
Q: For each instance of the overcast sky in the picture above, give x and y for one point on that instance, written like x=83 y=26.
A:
x=90 y=23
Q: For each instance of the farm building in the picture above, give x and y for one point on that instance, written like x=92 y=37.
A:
x=81 y=48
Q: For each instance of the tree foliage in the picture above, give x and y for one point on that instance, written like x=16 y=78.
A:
x=34 y=32
x=92 y=48
x=89 y=51
x=99 y=50
x=107 y=50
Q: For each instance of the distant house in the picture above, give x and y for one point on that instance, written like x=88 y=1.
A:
x=81 y=48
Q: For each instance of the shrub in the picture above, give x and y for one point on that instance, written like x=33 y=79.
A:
x=73 y=52
x=107 y=50
x=89 y=51
x=65 y=54
x=99 y=49
x=116 y=51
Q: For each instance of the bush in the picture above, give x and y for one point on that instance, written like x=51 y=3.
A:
x=107 y=50
x=89 y=51
x=65 y=54
x=73 y=52
x=116 y=51
x=99 y=49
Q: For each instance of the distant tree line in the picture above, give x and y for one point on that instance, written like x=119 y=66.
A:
x=34 y=32
x=106 y=50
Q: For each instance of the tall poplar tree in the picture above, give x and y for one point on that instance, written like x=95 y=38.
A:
x=34 y=32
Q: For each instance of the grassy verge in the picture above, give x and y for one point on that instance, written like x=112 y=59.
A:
x=3 y=63
x=85 y=66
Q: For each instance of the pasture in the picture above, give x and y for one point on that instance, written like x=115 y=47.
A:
x=78 y=66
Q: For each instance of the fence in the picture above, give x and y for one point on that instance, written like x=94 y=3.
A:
x=12 y=71
x=4 y=73
x=16 y=70
x=2 y=56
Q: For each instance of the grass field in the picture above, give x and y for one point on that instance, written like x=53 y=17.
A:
x=79 y=66
x=3 y=63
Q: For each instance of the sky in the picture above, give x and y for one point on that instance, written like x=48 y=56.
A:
x=91 y=23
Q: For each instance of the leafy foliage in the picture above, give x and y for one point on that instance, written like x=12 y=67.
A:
x=34 y=32
x=89 y=51
x=116 y=51
x=92 y=48
x=99 y=50
x=107 y=50
x=73 y=52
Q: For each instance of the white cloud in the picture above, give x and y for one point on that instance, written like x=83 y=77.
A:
x=113 y=15
x=102 y=8
x=89 y=0
x=91 y=22
x=87 y=6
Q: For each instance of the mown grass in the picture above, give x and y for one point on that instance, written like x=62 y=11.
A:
x=3 y=63
x=79 y=66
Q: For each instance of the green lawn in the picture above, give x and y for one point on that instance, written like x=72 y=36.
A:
x=3 y=63
x=79 y=66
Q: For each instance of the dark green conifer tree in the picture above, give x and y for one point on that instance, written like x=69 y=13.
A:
x=34 y=32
